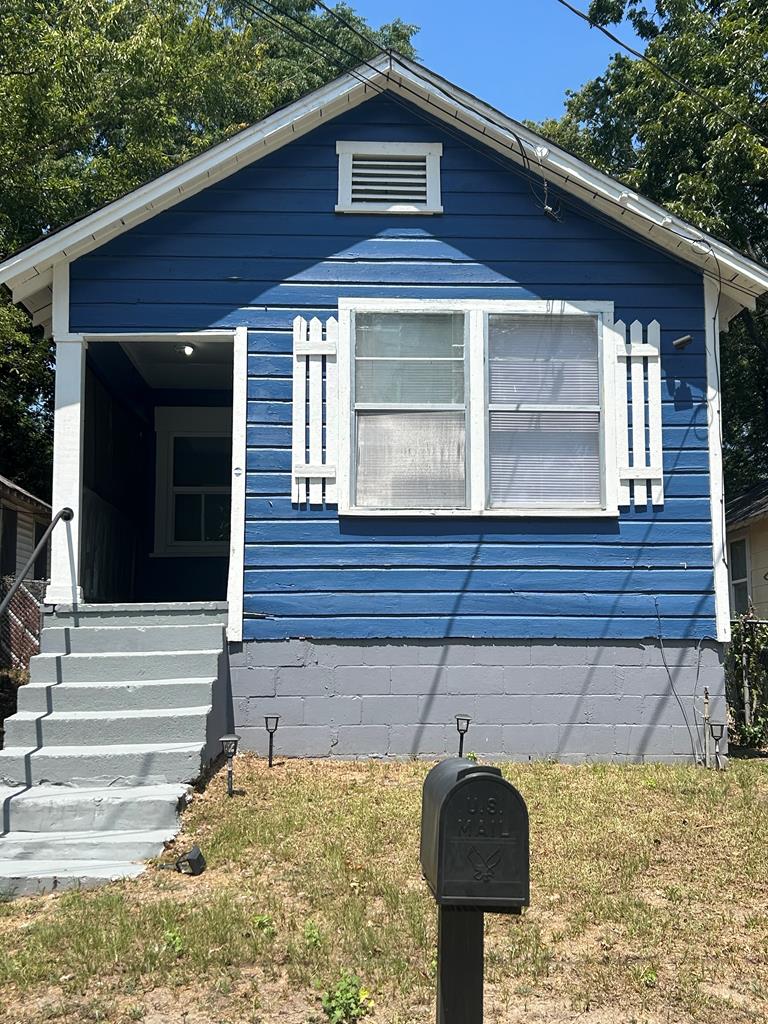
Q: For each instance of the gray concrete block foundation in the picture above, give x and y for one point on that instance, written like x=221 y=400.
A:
x=528 y=700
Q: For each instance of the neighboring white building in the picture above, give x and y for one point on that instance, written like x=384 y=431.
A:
x=23 y=519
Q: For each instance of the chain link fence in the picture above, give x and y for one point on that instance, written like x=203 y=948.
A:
x=746 y=680
x=20 y=629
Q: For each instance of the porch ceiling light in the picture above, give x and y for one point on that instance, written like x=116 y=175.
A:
x=185 y=350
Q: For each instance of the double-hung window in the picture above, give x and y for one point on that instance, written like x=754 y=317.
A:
x=495 y=408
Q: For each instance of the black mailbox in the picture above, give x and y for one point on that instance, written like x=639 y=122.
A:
x=474 y=838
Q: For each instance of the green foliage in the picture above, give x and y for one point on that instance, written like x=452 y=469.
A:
x=748 y=650
x=637 y=125
x=98 y=97
x=265 y=924
x=347 y=1001
x=312 y=935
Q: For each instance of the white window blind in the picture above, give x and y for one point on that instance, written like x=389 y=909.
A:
x=409 y=411
x=544 y=411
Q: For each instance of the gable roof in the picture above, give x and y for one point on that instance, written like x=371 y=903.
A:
x=16 y=495
x=752 y=504
x=29 y=272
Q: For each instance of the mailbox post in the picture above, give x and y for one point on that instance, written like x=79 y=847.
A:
x=475 y=859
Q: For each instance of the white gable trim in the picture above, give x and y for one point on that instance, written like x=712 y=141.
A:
x=743 y=279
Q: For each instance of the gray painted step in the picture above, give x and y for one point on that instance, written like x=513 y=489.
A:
x=137 y=614
x=66 y=809
x=34 y=877
x=128 y=696
x=89 y=639
x=122 y=845
x=125 y=764
x=81 y=728
x=105 y=668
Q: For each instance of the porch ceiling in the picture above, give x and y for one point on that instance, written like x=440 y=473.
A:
x=162 y=364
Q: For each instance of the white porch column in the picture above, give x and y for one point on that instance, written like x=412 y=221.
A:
x=64 y=587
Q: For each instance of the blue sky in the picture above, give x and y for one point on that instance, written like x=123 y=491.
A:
x=519 y=55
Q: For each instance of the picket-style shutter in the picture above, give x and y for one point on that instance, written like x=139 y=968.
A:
x=315 y=411
x=638 y=408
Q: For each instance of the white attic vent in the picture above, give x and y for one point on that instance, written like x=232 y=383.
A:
x=389 y=177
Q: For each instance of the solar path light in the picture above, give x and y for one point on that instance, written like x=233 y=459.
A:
x=270 y=721
x=462 y=724
x=229 y=745
x=717 y=729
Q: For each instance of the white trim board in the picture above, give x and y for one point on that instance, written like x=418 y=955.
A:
x=235 y=578
x=743 y=279
x=716 y=486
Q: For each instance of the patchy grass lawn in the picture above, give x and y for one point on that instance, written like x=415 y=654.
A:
x=649 y=903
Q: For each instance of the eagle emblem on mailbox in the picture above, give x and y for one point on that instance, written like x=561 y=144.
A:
x=484 y=867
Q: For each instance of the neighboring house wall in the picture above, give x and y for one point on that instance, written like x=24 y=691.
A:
x=263 y=246
x=20 y=530
x=751 y=543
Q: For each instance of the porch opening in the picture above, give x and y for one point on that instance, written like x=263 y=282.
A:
x=157 y=451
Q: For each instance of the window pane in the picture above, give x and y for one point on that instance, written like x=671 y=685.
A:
x=400 y=335
x=738 y=560
x=410 y=460
x=424 y=382
x=547 y=360
x=201 y=461
x=217 y=516
x=740 y=598
x=415 y=358
x=544 y=459
x=187 y=519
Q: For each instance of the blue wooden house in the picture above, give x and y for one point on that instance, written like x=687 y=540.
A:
x=383 y=410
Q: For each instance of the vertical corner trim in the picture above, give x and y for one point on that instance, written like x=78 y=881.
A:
x=716 y=485
x=235 y=581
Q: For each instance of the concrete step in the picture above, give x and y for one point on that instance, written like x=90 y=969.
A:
x=34 y=877
x=101 y=846
x=66 y=809
x=89 y=639
x=171 y=613
x=119 y=696
x=106 y=668
x=124 y=764
x=81 y=728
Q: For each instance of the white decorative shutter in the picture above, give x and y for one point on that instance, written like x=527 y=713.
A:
x=314 y=378
x=638 y=406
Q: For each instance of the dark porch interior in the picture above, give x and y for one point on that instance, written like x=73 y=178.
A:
x=125 y=385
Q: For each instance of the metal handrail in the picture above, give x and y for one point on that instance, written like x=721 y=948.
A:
x=67 y=515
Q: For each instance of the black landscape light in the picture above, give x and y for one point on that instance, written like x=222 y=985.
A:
x=462 y=725
x=270 y=721
x=229 y=745
x=192 y=863
x=716 y=730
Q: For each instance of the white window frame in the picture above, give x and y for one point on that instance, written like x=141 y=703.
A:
x=184 y=421
x=433 y=151
x=735 y=539
x=477 y=312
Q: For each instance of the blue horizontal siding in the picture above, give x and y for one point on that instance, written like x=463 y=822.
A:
x=264 y=246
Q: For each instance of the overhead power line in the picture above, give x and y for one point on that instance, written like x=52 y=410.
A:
x=666 y=74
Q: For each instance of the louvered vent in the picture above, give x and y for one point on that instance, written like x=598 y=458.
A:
x=389 y=179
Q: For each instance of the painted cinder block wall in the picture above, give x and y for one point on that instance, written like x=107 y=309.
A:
x=263 y=246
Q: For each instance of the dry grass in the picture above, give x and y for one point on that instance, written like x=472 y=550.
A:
x=649 y=904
